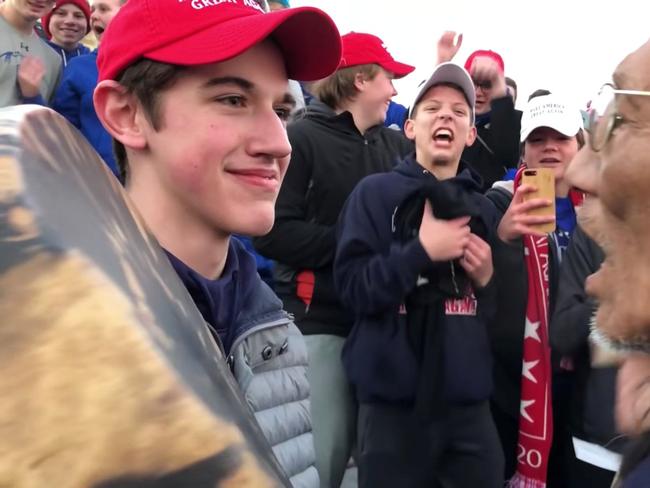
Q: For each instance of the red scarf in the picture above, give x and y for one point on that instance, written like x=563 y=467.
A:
x=536 y=410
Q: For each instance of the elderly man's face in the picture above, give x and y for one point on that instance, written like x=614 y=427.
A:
x=617 y=211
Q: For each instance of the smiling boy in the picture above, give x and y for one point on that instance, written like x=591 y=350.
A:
x=197 y=100
x=74 y=96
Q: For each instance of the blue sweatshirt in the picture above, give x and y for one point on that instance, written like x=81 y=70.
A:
x=374 y=272
x=67 y=55
x=396 y=115
x=74 y=100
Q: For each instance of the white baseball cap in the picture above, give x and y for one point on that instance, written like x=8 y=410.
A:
x=454 y=74
x=550 y=111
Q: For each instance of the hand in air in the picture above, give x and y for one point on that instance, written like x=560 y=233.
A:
x=448 y=46
x=483 y=69
x=30 y=75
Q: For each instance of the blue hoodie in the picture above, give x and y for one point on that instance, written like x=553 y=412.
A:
x=67 y=55
x=374 y=272
x=74 y=100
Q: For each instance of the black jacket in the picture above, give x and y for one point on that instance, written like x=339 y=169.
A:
x=497 y=146
x=378 y=274
x=330 y=156
x=594 y=392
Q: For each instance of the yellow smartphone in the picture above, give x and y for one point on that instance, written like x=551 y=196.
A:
x=544 y=180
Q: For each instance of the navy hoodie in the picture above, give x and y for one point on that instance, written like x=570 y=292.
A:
x=222 y=300
x=374 y=272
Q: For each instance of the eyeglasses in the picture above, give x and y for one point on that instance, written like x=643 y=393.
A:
x=604 y=116
x=485 y=84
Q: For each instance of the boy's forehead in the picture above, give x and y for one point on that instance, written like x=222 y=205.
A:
x=105 y=3
x=259 y=68
x=445 y=92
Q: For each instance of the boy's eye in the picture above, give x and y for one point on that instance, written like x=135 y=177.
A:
x=283 y=113
x=232 y=100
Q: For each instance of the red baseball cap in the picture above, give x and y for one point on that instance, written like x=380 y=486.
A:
x=83 y=6
x=483 y=53
x=359 y=48
x=194 y=32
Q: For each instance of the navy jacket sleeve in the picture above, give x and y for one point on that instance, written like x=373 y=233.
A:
x=294 y=240
x=372 y=272
x=505 y=125
x=569 y=328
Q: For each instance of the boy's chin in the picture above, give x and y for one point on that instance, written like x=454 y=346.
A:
x=255 y=225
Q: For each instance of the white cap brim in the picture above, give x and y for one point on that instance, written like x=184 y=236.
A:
x=553 y=112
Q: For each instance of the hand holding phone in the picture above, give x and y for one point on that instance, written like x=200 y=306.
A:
x=531 y=211
x=543 y=179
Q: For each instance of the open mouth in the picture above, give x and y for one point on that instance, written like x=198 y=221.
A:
x=98 y=29
x=443 y=136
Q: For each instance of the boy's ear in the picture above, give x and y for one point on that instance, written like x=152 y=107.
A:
x=360 y=81
x=409 y=129
x=118 y=111
x=471 y=136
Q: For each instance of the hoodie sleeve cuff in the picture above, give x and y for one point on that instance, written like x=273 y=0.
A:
x=37 y=100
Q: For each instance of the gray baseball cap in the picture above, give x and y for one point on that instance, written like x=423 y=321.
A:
x=454 y=74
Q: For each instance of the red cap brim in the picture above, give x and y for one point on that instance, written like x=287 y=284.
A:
x=308 y=38
x=400 y=70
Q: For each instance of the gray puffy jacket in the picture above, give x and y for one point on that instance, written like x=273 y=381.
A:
x=269 y=361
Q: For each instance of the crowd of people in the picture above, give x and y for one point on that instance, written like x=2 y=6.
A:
x=379 y=277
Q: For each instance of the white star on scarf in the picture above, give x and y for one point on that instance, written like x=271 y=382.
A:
x=522 y=409
x=525 y=370
x=531 y=330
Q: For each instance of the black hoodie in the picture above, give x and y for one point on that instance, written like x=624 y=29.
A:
x=377 y=271
x=329 y=157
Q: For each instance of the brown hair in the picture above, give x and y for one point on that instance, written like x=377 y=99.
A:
x=145 y=79
x=339 y=86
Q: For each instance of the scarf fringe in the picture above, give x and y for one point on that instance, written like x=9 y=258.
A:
x=521 y=481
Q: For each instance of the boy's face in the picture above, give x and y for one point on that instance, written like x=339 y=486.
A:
x=68 y=25
x=617 y=209
x=441 y=126
x=548 y=148
x=31 y=10
x=102 y=12
x=375 y=96
x=221 y=150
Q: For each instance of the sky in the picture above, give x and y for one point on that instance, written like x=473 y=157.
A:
x=570 y=47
